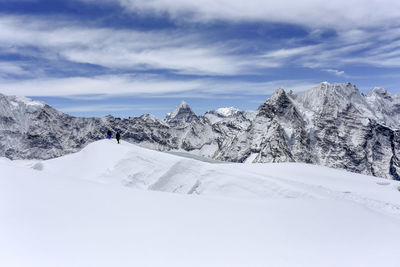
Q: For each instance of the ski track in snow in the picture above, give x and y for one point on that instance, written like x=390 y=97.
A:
x=323 y=192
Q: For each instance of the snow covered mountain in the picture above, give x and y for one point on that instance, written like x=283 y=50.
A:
x=331 y=125
x=103 y=206
x=386 y=107
x=181 y=115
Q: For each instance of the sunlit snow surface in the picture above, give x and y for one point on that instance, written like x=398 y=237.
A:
x=90 y=209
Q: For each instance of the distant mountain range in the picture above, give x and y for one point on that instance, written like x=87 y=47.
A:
x=331 y=125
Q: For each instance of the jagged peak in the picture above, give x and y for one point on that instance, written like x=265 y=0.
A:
x=280 y=92
x=25 y=101
x=324 y=84
x=333 y=85
x=149 y=117
x=379 y=91
x=277 y=95
x=342 y=89
x=277 y=103
x=183 y=104
x=22 y=103
x=227 y=112
x=181 y=113
x=325 y=95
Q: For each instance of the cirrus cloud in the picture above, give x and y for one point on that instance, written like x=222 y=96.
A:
x=341 y=14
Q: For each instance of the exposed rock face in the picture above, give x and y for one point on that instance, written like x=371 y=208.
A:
x=346 y=133
x=386 y=106
x=332 y=125
x=181 y=115
x=276 y=134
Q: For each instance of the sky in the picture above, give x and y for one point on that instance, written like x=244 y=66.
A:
x=131 y=57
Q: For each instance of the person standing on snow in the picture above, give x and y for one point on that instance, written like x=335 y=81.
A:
x=118 y=136
x=109 y=134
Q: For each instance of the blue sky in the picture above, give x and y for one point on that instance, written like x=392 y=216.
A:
x=130 y=57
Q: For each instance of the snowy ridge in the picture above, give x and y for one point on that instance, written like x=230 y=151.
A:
x=126 y=164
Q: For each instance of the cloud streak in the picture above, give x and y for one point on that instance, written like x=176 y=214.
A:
x=123 y=49
x=143 y=85
x=106 y=108
x=336 y=72
x=339 y=14
x=182 y=52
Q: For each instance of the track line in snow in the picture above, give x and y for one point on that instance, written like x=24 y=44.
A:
x=324 y=192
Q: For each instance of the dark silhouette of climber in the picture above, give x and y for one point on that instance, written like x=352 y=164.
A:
x=109 y=134
x=118 y=136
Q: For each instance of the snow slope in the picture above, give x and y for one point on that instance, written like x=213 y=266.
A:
x=86 y=209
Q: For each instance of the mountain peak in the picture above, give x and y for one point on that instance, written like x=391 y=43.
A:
x=278 y=93
x=328 y=97
x=149 y=118
x=181 y=114
x=183 y=104
x=325 y=84
x=277 y=103
x=379 y=91
x=9 y=104
x=338 y=89
x=22 y=100
x=227 y=112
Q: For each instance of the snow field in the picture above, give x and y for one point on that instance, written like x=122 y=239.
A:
x=98 y=207
x=136 y=167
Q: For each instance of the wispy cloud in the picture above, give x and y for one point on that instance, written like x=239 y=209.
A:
x=12 y=68
x=339 y=14
x=181 y=52
x=106 y=85
x=372 y=48
x=145 y=85
x=107 y=108
x=336 y=72
x=285 y=53
x=123 y=49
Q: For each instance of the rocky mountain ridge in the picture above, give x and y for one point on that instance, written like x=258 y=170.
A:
x=332 y=125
